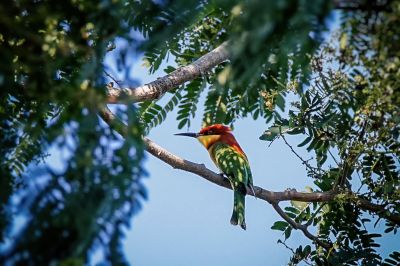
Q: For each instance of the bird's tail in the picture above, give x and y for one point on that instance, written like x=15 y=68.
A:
x=238 y=209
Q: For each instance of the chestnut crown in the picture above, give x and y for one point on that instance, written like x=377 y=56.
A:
x=217 y=129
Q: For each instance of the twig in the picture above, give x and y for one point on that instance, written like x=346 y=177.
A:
x=333 y=157
x=294 y=252
x=312 y=169
x=315 y=213
x=118 y=82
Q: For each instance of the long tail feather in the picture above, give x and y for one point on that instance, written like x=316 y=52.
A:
x=238 y=209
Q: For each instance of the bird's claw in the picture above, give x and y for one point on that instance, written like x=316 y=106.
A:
x=223 y=175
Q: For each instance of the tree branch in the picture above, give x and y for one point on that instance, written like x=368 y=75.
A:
x=261 y=193
x=378 y=209
x=157 y=88
x=199 y=169
x=301 y=227
x=271 y=197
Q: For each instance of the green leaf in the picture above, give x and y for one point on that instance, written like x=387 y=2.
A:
x=299 y=204
x=306 y=250
x=273 y=132
x=288 y=232
x=295 y=131
x=343 y=41
x=183 y=123
x=279 y=225
x=293 y=210
x=304 y=142
x=280 y=102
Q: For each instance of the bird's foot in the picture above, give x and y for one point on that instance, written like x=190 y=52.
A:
x=223 y=175
x=252 y=191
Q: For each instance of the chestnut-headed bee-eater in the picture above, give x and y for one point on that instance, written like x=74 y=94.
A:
x=229 y=157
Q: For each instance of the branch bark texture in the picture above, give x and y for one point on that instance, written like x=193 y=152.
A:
x=157 y=88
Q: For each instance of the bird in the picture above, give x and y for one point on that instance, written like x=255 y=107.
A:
x=229 y=157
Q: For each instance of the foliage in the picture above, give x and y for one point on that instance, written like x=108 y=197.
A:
x=51 y=77
x=267 y=51
x=346 y=106
x=350 y=114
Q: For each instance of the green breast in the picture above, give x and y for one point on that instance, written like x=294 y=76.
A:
x=231 y=162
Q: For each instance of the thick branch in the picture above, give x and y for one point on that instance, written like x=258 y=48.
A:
x=157 y=88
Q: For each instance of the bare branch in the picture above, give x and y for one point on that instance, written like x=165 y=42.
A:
x=308 y=166
x=113 y=121
x=157 y=88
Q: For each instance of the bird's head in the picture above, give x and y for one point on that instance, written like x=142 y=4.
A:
x=217 y=129
x=210 y=134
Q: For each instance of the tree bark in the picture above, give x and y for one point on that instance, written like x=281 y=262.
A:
x=157 y=88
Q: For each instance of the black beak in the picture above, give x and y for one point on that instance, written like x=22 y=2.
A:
x=193 y=135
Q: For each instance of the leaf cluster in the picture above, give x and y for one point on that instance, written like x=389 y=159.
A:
x=51 y=79
x=348 y=118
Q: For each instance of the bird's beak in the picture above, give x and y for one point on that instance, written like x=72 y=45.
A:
x=193 y=135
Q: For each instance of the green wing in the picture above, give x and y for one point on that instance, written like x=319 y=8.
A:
x=234 y=164
x=236 y=167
